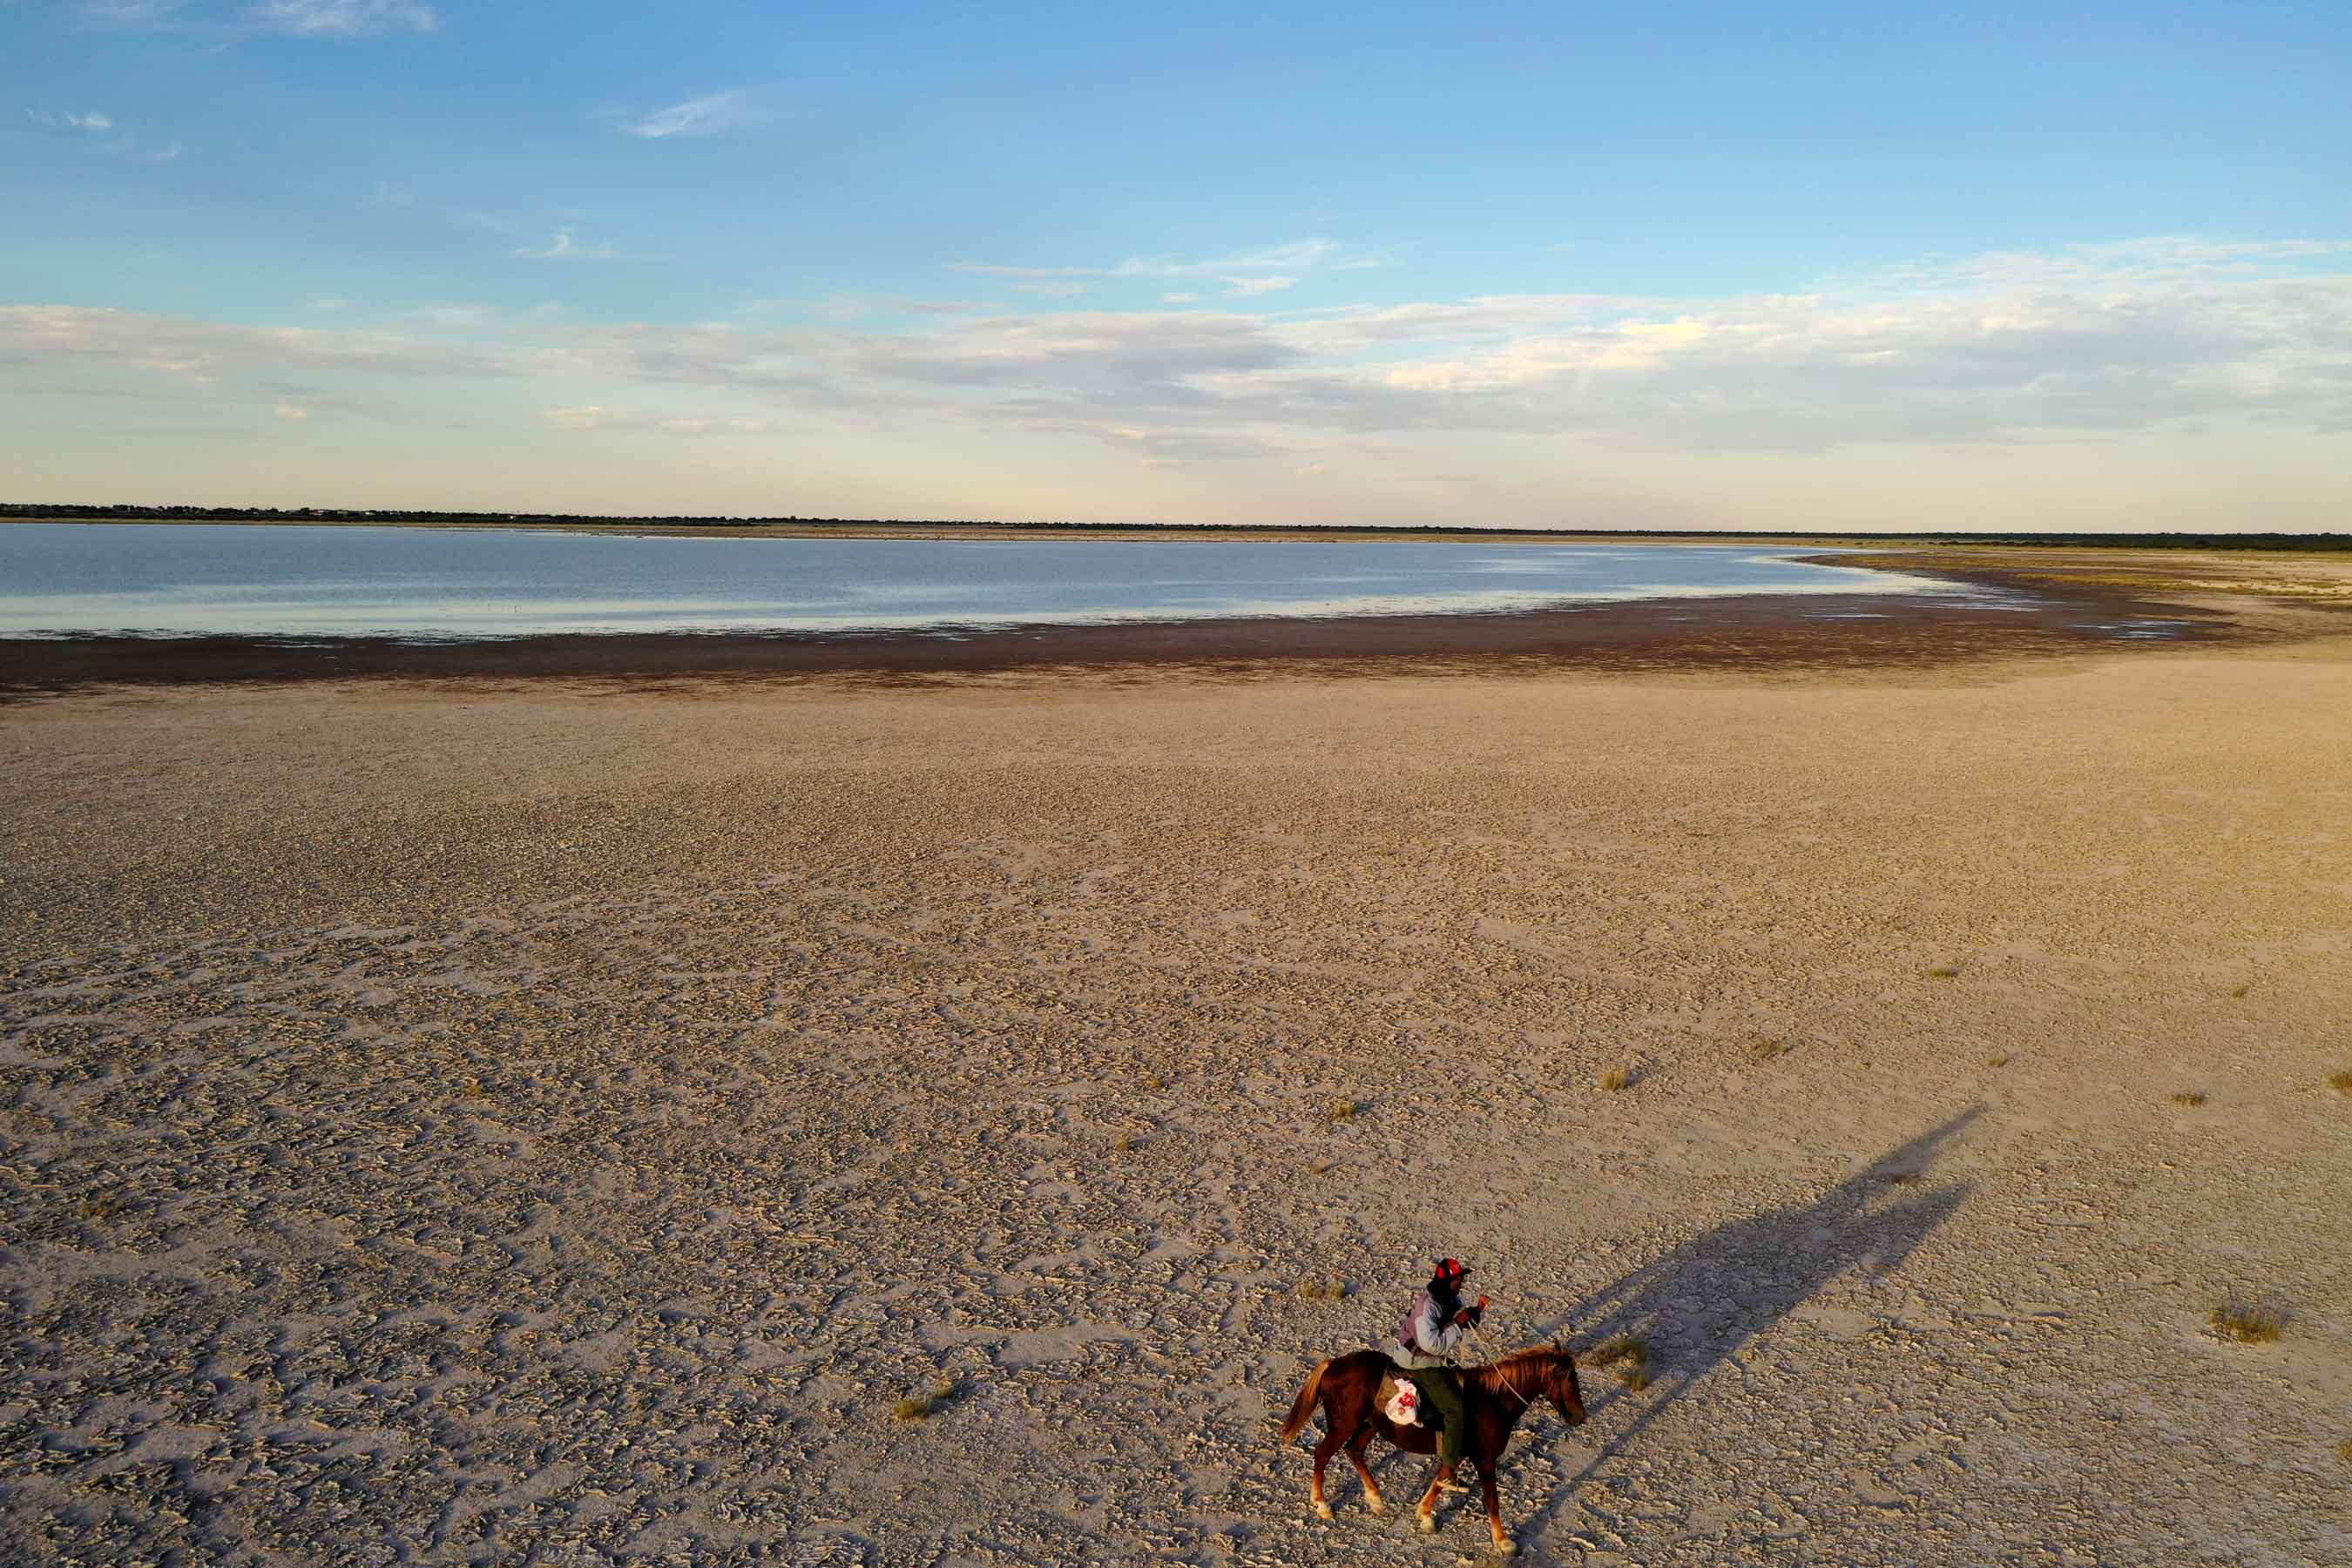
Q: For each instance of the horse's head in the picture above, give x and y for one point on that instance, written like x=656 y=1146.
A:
x=1566 y=1393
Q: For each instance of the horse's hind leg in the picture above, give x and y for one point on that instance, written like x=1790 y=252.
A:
x=1323 y=1452
x=1503 y=1545
x=1362 y=1441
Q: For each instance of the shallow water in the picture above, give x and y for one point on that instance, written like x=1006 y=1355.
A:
x=192 y=579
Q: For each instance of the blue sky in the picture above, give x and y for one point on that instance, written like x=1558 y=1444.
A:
x=1724 y=266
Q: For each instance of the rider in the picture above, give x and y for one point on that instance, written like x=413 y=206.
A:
x=1424 y=1350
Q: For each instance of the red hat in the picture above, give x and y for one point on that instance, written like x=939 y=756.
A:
x=1449 y=1270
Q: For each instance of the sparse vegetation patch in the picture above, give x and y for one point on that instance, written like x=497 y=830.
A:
x=2341 y=1083
x=1615 y=1079
x=916 y=1407
x=1341 y=1110
x=1945 y=971
x=1628 y=1357
x=2190 y=1096
x=1322 y=1290
x=2256 y=1323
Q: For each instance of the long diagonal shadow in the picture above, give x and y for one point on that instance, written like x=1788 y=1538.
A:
x=1699 y=1304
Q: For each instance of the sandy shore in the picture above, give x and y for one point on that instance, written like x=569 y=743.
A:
x=557 y=1124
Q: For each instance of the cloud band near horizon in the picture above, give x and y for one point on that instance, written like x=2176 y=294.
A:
x=2074 y=346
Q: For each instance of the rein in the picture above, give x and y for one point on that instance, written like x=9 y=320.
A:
x=1502 y=1371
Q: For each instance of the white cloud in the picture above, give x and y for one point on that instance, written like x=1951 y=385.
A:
x=1258 y=272
x=988 y=270
x=593 y=417
x=706 y=116
x=596 y=416
x=1180 y=299
x=565 y=245
x=286 y=19
x=96 y=119
x=342 y=18
x=291 y=411
x=2066 y=346
x=1309 y=471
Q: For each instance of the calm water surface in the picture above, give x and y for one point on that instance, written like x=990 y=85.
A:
x=182 y=580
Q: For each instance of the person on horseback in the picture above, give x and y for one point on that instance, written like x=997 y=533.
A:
x=1425 y=1352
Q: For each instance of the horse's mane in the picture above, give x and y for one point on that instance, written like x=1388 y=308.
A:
x=1542 y=1361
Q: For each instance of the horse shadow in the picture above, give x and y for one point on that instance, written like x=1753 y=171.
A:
x=1697 y=1306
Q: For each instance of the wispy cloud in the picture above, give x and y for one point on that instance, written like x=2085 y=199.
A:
x=96 y=119
x=337 y=19
x=2070 y=346
x=564 y=244
x=596 y=416
x=1253 y=273
x=331 y=19
x=342 y=18
x=706 y=116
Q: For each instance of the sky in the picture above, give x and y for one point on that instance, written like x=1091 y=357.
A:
x=1735 y=266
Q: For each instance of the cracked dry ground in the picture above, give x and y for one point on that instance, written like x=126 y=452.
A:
x=558 y=1126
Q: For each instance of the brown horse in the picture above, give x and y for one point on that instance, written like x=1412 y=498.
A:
x=1348 y=1387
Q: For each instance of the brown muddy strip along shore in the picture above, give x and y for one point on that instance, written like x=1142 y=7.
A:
x=1754 y=631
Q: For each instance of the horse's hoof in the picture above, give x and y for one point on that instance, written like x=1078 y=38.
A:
x=1428 y=1522
x=1322 y=1510
x=1372 y=1501
x=1506 y=1547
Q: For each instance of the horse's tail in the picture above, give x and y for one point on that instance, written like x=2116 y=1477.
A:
x=1296 y=1422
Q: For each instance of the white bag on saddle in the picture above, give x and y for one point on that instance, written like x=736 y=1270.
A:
x=1404 y=1402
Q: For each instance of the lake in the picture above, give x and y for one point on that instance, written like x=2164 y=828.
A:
x=199 y=579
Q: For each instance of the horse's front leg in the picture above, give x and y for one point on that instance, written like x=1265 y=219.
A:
x=1426 y=1514
x=1356 y=1446
x=1503 y=1545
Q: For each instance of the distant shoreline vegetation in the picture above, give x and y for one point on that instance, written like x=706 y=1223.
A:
x=19 y=512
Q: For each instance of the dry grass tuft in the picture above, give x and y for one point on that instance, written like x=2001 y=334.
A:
x=2344 y=1450
x=103 y=1207
x=1124 y=1143
x=2341 y=1083
x=2256 y=1324
x=1629 y=1357
x=2241 y=989
x=1997 y=1059
x=472 y=1089
x=2189 y=1097
x=1341 y=1110
x=1152 y=1081
x=1320 y=1168
x=1945 y=971
x=1764 y=1050
x=1902 y=1178
x=1616 y=1079
x=1322 y=1290
x=916 y=1407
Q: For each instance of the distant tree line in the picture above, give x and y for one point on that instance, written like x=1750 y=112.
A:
x=575 y=520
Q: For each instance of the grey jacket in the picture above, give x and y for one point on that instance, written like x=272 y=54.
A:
x=1425 y=1337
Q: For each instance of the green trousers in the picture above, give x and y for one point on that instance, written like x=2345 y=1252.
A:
x=1442 y=1394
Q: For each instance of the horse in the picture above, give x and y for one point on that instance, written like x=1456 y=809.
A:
x=1496 y=1395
